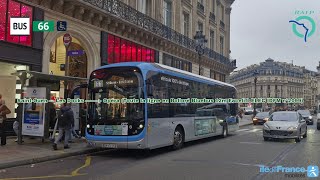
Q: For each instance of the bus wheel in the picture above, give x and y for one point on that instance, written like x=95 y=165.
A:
x=225 y=131
x=178 y=138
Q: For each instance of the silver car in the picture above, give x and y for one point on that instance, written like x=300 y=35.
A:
x=285 y=125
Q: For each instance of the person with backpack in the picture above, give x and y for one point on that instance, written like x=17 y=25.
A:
x=65 y=119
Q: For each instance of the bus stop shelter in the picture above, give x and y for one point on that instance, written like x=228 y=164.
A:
x=50 y=82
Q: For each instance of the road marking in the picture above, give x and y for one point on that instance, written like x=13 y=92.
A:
x=245 y=164
x=312 y=131
x=240 y=130
x=73 y=173
x=249 y=143
x=255 y=130
x=39 y=177
x=86 y=164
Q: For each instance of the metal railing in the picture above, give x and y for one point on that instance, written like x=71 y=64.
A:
x=222 y=24
x=200 y=7
x=129 y=14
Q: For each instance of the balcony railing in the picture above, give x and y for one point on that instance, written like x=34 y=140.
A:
x=222 y=24
x=212 y=17
x=200 y=7
x=188 y=1
x=129 y=14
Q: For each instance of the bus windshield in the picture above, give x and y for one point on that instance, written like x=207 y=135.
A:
x=112 y=91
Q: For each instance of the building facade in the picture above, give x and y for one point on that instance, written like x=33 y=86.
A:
x=162 y=31
x=276 y=80
x=17 y=52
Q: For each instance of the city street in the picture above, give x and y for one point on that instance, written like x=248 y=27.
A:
x=236 y=157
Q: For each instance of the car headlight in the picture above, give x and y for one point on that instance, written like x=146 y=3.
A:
x=266 y=126
x=266 y=119
x=293 y=128
x=254 y=119
x=310 y=117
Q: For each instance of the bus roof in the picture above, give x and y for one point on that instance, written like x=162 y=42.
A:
x=157 y=66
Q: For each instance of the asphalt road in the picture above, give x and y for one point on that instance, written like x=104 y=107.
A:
x=236 y=157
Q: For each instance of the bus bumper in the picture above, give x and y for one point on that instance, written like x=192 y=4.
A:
x=141 y=144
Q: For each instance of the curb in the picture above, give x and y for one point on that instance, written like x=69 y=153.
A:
x=48 y=158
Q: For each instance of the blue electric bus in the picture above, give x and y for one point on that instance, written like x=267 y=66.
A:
x=140 y=105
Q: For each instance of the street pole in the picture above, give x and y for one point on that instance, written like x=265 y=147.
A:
x=199 y=64
x=66 y=70
x=255 y=96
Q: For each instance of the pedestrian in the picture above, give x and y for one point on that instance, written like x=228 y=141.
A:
x=65 y=119
x=52 y=115
x=74 y=133
x=83 y=115
x=4 y=110
x=16 y=123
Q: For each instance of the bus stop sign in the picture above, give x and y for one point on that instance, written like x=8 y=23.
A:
x=67 y=39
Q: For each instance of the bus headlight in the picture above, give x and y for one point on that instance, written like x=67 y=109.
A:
x=140 y=126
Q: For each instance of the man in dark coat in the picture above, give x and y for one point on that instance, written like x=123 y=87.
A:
x=4 y=110
x=65 y=119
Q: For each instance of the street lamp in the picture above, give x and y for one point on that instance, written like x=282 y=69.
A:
x=255 y=74
x=200 y=45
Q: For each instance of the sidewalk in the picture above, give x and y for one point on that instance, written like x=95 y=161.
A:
x=34 y=151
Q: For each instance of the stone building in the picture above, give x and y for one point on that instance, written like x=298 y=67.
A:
x=276 y=80
x=162 y=31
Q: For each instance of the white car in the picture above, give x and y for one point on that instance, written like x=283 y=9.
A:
x=285 y=125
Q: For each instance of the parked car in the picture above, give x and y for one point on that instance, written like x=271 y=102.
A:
x=261 y=118
x=307 y=116
x=248 y=110
x=285 y=125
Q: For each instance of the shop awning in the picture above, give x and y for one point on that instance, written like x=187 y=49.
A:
x=41 y=76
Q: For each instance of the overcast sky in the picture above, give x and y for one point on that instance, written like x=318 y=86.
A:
x=260 y=29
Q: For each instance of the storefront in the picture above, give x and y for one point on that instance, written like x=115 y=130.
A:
x=17 y=52
x=115 y=49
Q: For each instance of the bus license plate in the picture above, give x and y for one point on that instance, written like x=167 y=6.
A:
x=109 y=145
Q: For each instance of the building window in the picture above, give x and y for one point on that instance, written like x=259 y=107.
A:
x=10 y=8
x=177 y=63
x=212 y=74
x=122 y=50
x=221 y=45
x=186 y=24
x=142 y=6
x=200 y=26
x=213 y=5
x=212 y=40
x=167 y=12
x=222 y=13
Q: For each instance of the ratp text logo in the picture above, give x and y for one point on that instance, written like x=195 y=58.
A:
x=306 y=22
x=19 y=26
